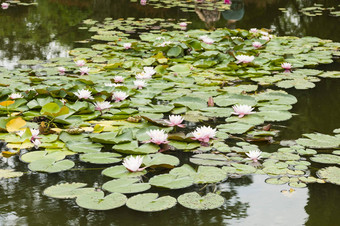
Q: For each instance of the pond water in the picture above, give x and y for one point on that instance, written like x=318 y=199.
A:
x=50 y=30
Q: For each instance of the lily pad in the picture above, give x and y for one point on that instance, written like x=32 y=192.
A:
x=66 y=190
x=126 y=186
x=193 y=200
x=326 y=159
x=171 y=181
x=330 y=174
x=121 y=172
x=95 y=200
x=49 y=165
x=9 y=173
x=150 y=202
x=100 y=158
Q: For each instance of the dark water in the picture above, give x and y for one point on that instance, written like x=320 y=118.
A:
x=50 y=29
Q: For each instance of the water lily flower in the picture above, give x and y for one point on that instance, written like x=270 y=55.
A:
x=127 y=45
x=36 y=143
x=244 y=59
x=140 y=84
x=157 y=136
x=227 y=2
x=100 y=106
x=20 y=133
x=242 y=110
x=143 y=2
x=166 y=43
x=84 y=70
x=61 y=70
x=14 y=96
x=183 y=24
x=112 y=84
x=253 y=30
x=133 y=163
x=80 y=63
x=83 y=94
x=286 y=66
x=143 y=75
x=175 y=120
x=257 y=44
x=266 y=38
x=119 y=96
x=204 y=133
x=149 y=71
x=118 y=79
x=4 y=5
x=208 y=40
x=35 y=133
x=254 y=155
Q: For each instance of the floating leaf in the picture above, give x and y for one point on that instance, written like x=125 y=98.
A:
x=326 y=158
x=193 y=200
x=50 y=165
x=66 y=190
x=95 y=200
x=100 y=158
x=171 y=181
x=126 y=186
x=121 y=172
x=149 y=202
x=330 y=174
x=9 y=173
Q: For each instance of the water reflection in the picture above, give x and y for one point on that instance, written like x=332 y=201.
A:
x=235 y=13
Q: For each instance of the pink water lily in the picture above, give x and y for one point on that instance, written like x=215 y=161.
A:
x=242 y=110
x=204 y=134
x=118 y=79
x=143 y=2
x=84 y=70
x=257 y=45
x=244 y=59
x=100 y=106
x=80 y=63
x=119 y=96
x=127 y=45
x=227 y=2
x=253 y=30
x=61 y=70
x=175 y=120
x=208 y=40
x=286 y=66
x=265 y=38
x=14 y=96
x=183 y=24
x=83 y=94
x=157 y=137
x=133 y=163
x=254 y=155
x=4 y=5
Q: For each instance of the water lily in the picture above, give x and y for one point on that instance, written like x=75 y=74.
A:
x=157 y=136
x=183 y=24
x=242 y=110
x=118 y=79
x=254 y=155
x=83 y=94
x=286 y=66
x=61 y=70
x=257 y=44
x=166 y=43
x=139 y=84
x=100 y=106
x=253 y=30
x=36 y=143
x=143 y=75
x=227 y=2
x=204 y=133
x=265 y=38
x=127 y=45
x=133 y=163
x=143 y=2
x=80 y=63
x=149 y=70
x=244 y=59
x=175 y=120
x=84 y=70
x=35 y=133
x=14 y=96
x=4 y=5
x=119 y=96
x=112 y=84
x=208 y=40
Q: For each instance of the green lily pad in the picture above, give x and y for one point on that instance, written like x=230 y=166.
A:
x=38 y=155
x=160 y=159
x=121 y=172
x=193 y=200
x=150 y=202
x=49 y=165
x=171 y=181
x=209 y=159
x=330 y=174
x=326 y=158
x=9 y=173
x=126 y=186
x=100 y=158
x=95 y=200
x=66 y=190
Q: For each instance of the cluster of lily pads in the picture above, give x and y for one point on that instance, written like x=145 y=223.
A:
x=7 y=4
x=318 y=10
x=187 y=5
x=136 y=104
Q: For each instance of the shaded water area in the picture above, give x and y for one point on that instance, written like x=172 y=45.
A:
x=50 y=29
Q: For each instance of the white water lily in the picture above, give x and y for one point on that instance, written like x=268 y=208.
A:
x=244 y=59
x=36 y=143
x=100 y=106
x=14 y=96
x=119 y=96
x=253 y=30
x=112 y=84
x=127 y=45
x=35 y=133
x=133 y=163
x=175 y=120
x=84 y=70
x=118 y=79
x=254 y=155
x=204 y=133
x=157 y=136
x=4 y=5
x=80 y=63
x=286 y=66
x=208 y=40
x=166 y=43
x=139 y=84
x=83 y=94
x=149 y=71
x=265 y=38
x=143 y=75
x=242 y=110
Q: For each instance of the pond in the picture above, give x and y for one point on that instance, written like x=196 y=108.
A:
x=48 y=30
